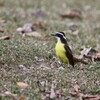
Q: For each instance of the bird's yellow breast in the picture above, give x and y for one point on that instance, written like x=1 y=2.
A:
x=61 y=52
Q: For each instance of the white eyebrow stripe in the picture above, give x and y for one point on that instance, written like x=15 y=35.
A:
x=59 y=33
x=62 y=35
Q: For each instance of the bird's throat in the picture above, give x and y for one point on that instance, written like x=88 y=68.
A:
x=58 y=40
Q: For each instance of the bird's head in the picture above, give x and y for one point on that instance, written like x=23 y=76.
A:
x=60 y=36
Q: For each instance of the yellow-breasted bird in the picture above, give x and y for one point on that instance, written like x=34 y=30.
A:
x=62 y=49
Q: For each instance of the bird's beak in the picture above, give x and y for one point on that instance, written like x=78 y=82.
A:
x=53 y=34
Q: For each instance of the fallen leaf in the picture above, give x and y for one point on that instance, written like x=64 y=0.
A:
x=2 y=21
x=1 y=30
x=39 y=25
x=26 y=28
x=22 y=85
x=2 y=4
x=87 y=51
x=90 y=53
x=84 y=51
x=76 y=92
x=97 y=83
x=5 y=38
x=21 y=98
x=35 y=34
x=81 y=60
x=98 y=55
x=9 y=94
x=20 y=29
x=72 y=13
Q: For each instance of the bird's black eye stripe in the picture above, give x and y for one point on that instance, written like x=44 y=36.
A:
x=63 y=40
x=62 y=33
x=59 y=35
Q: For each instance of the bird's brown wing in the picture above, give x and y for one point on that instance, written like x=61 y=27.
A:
x=69 y=54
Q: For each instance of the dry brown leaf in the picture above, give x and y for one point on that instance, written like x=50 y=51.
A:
x=90 y=53
x=1 y=30
x=81 y=60
x=21 y=98
x=77 y=93
x=39 y=25
x=28 y=30
x=85 y=51
x=28 y=27
x=92 y=57
x=19 y=29
x=98 y=55
x=2 y=21
x=35 y=34
x=5 y=38
x=2 y=4
x=9 y=94
x=73 y=13
x=22 y=85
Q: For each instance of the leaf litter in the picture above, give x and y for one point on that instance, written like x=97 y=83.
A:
x=5 y=37
x=28 y=30
x=76 y=92
x=72 y=13
x=22 y=85
x=90 y=53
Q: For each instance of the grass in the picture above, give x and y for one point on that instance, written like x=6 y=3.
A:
x=31 y=59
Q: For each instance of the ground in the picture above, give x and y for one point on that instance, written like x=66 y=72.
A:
x=33 y=60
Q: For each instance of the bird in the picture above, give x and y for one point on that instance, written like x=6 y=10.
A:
x=62 y=49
